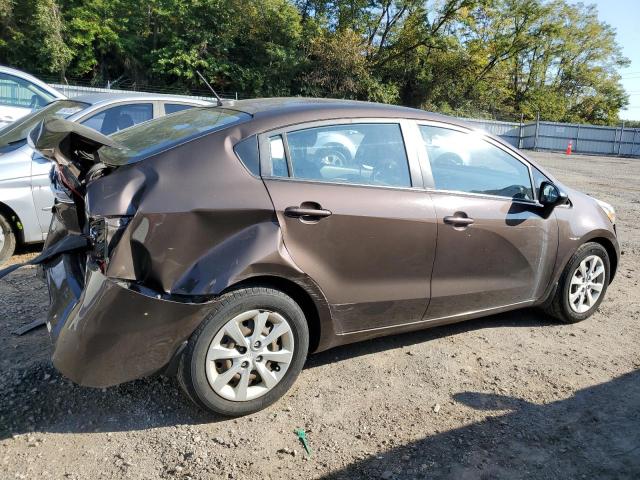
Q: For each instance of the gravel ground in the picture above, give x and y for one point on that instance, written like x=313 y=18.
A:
x=509 y=396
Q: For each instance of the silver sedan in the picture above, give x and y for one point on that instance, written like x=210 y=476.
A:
x=25 y=194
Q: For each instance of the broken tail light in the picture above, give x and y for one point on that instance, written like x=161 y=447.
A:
x=104 y=235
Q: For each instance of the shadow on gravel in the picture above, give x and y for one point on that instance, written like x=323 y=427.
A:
x=29 y=248
x=593 y=434
x=528 y=317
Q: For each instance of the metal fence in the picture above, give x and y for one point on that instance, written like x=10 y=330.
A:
x=539 y=135
x=75 y=90
x=553 y=136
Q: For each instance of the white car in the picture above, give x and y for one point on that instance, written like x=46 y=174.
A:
x=25 y=194
x=21 y=94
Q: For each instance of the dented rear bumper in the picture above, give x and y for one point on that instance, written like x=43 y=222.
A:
x=105 y=333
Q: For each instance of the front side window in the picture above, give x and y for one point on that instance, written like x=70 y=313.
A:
x=120 y=117
x=465 y=162
x=363 y=154
x=538 y=178
x=18 y=92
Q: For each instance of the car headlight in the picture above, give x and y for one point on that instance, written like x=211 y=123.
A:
x=608 y=209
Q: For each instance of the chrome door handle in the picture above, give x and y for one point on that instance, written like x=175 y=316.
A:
x=458 y=221
x=313 y=213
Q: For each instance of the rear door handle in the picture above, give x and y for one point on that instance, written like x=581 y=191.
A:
x=458 y=221
x=311 y=213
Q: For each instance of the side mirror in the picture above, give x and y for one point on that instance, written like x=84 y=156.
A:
x=551 y=196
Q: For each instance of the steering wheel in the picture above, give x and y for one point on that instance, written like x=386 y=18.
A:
x=516 y=191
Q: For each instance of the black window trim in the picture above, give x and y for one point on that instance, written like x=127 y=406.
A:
x=426 y=166
x=413 y=163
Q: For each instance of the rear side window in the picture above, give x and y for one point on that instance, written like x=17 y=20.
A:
x=247 y=152
x=363 y=154
x=279 y=167
x=465 y=162
x=170 y=108
x=120 y=117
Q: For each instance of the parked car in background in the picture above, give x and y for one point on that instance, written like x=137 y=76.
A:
x=220 y=244
x=25 y=194
x=21 y=94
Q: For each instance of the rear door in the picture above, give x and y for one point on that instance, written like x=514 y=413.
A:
x=354 y=217
x=496 y=245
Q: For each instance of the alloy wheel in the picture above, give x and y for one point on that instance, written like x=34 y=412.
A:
x=249 y=355
x=586 y=284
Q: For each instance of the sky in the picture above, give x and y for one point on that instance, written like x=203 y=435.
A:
x=624 y=16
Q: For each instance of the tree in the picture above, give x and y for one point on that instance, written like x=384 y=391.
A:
x=32 y=34
x=498 y=58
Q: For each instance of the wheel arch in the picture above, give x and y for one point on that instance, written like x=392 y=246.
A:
x=311 y=302
x=611 y=251
x=14 y=220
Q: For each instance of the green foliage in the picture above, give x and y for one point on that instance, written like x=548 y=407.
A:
x=32 y=34
x=499 y=58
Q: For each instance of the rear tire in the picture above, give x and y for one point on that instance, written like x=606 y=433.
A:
x=246 y=354
x=575 y=297
x=7 y=240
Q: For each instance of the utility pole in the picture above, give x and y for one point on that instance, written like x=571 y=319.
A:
x=535 y=139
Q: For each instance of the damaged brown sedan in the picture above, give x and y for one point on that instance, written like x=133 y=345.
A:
x=223 y=244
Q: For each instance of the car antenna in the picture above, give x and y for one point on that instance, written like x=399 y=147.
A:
x=210 y=88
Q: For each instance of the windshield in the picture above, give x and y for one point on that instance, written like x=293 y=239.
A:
x=152 y=137
x=18 y=131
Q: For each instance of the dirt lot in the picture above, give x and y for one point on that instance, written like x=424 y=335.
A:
x=510 y=396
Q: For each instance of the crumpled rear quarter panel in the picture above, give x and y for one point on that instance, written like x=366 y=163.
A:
x=201 y=221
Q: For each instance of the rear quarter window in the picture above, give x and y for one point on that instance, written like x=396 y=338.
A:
x=247 y=152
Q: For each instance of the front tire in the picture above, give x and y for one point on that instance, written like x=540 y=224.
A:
x=246 y=354
x=582 y=286
x=7 y=240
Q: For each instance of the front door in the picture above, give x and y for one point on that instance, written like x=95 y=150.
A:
x=352 y=219
x=496 y=245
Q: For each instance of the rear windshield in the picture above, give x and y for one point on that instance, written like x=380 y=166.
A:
x=152 y=137
x=19 y=130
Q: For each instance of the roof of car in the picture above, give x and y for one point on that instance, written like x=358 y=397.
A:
x=109 y=97
x=298 y=108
